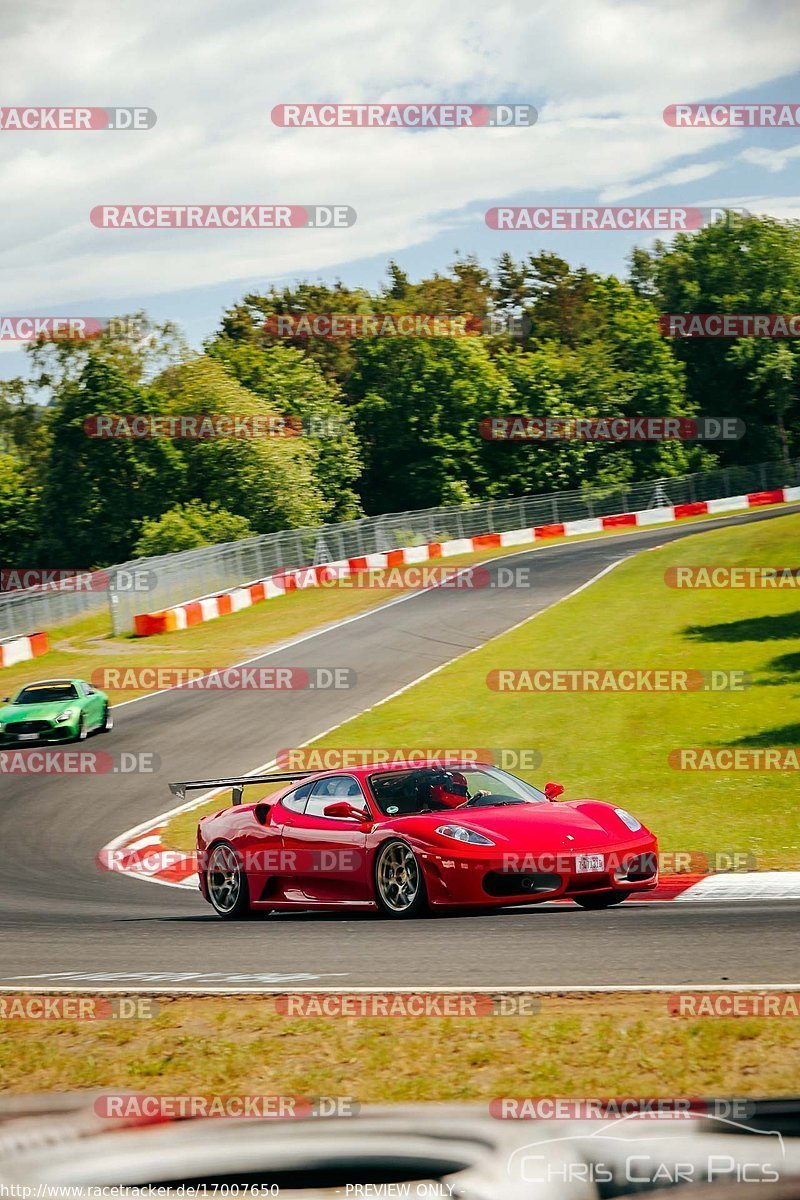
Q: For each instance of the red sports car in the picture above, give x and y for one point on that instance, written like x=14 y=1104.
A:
x=403 y=838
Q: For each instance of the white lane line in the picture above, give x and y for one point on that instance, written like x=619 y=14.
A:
x=588 y=989
x=164 y=817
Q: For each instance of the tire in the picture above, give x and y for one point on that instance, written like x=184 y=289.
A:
x=83 y=732
x=399 y=882
x=226 y=883
x=108 y=720
x=601 y=899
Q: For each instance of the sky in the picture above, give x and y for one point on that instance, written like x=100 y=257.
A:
x=599 y=72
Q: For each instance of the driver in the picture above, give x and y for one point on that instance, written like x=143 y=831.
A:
x=448 y=790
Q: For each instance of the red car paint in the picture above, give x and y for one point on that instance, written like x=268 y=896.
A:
x=295 y=860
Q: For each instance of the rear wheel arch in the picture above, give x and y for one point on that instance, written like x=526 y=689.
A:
x=226 y=880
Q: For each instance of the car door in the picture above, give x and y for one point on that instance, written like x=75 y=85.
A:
x=330 y=852
x=273 y=868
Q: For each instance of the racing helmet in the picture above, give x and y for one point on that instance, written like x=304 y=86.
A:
x=449 y=788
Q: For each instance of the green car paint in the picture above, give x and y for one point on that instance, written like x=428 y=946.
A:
x=55 y=710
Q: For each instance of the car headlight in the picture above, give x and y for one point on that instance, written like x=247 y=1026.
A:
x=66 y=715
x=628 y=820
x=460 y=834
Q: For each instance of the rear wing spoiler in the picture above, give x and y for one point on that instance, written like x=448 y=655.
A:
x=237 y=784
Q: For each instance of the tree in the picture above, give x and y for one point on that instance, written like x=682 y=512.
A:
x=97 y=492
x=294 y=386
x=187 y=526
x=19 y=515
x=268 y=480
x=131 y=343
x=418 y=404
x=737 y=265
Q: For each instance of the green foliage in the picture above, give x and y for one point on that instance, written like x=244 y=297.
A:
x=188 y=526
x=418 y=404
x=97 y=492
x=742 y=265
x=393 y=423
x=294 y=386
x=269 y=481
x=19 y=516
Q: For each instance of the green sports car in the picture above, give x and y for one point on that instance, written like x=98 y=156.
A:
x=56 y=710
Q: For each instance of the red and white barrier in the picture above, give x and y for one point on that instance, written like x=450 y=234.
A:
x=20 y=649
x=194 y=612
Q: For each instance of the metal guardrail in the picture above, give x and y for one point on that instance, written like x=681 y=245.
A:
x=151 y=584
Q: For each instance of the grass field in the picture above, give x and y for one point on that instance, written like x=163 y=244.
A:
x=616 y=746
x=86 y=646
x=602 y=1045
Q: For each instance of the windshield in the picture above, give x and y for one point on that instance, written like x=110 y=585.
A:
x=416 y=790
x=46 y=693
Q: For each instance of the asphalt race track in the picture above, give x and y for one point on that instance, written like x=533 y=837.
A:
x=65 y=922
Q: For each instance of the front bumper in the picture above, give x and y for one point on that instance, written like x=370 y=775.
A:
x=51 y=733
x=469 y=878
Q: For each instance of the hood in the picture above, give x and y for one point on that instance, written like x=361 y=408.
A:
x=577 y=825
x=35 y=712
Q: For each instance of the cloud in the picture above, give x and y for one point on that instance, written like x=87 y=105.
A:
x=600 y=71
x=770 y=159
x=676 y=178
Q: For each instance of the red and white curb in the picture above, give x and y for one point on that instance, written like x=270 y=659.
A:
x=15 y=650
x=141 y=853
x=207 y=608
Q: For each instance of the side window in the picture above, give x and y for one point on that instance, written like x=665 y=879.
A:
x=328 y=791
x=296 y=800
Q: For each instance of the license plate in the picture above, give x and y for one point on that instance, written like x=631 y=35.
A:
x=586 y=863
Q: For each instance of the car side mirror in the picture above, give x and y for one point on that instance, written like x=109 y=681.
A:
x=6 y=699
x=345 y=811
x=553 y=790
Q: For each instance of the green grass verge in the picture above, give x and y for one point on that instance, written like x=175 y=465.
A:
x=601 y=1045
x=616 y=746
